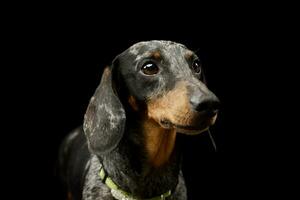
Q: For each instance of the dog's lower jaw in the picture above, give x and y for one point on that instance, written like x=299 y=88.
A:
x=191 y=132
x=188 y=130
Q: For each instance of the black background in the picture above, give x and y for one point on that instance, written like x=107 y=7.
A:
x=59 y=64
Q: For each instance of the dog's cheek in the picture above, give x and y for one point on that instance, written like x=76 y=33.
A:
x=173 y=106
x=156 y=110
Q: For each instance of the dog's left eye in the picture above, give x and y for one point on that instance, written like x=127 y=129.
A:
x=197 y=66
x=150 y=68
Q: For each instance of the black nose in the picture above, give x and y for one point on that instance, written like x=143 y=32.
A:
x=208 y=103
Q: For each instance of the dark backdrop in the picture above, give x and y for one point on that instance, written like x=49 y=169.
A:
x=60 y=66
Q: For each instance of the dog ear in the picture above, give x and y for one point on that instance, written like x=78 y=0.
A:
x=104 y=121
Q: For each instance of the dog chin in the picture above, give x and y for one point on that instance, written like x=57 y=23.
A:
x=189 y=130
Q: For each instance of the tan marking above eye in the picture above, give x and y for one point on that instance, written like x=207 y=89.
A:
x=189 y=55
x=156 y=55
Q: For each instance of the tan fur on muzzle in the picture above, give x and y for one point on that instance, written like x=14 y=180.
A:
x=174 y=107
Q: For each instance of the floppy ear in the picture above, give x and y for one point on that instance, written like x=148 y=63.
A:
x=104 y=121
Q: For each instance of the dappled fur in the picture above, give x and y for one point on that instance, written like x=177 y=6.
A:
x=114 y=136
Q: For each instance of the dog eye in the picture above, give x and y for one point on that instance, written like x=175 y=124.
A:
x=197 y=66
x=150 y=68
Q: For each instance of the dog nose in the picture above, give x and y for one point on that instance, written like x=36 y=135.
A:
x=208 y=103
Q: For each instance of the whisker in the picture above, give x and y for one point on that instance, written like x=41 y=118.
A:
x=212 y=140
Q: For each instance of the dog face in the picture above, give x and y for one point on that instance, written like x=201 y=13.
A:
x=166 y=80
x=162 y=80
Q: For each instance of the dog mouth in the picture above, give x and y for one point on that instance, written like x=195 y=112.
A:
x=198 y=128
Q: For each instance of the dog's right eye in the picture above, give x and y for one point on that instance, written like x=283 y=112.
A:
x=150 y=68
x=197 y=66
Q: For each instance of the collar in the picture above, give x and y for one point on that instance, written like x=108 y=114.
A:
x=121 y=194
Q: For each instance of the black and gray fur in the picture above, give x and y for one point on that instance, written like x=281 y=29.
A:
x=111 y=134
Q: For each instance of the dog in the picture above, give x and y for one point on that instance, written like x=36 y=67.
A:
x=127 y=148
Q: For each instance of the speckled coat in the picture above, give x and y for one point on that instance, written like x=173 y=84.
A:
x=151 y=92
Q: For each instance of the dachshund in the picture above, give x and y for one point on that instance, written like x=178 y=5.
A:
x=127 y=147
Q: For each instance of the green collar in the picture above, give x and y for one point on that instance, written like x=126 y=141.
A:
x=121 y=194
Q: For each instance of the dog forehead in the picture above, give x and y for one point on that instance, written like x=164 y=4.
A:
x=161 y=45
x=174 y=54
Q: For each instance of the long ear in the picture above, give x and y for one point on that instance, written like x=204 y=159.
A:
x=104 y=121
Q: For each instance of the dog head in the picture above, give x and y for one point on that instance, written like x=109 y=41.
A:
x=161 y=79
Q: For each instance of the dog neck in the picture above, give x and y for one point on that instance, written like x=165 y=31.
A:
x=159 y=143
x=145 y=155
